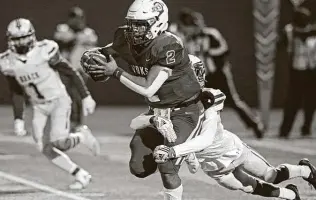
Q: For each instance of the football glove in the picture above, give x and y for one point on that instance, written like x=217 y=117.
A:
x=88 y=105
x=163 y=153
x=165 y=127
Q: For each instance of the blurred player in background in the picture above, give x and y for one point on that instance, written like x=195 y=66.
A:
x=299 y=37
x=224 y=156
x=74 y=37
x=211 y=47
x=161 y=72
x=33 y=67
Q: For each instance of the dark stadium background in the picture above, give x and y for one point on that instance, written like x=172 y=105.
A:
x=232 y=17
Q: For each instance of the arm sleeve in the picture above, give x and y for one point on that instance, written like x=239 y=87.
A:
x=202 y=141
x=17 y=97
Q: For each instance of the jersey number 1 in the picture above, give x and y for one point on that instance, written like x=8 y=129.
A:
x=39 y=95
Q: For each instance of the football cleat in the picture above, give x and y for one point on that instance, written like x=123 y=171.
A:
x=295 y=190
x=83 y=178
x=19 y=127
x=89 y=140
x=312 y=177
x=192 y=163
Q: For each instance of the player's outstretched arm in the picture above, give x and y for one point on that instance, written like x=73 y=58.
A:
x=163 y=153
x=146 y=86
x=202 y=141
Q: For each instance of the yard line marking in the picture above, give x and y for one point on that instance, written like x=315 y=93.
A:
x=13 y=157
x=39 y=186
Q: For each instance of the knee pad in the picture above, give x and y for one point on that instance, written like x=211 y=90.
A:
x=49 y=152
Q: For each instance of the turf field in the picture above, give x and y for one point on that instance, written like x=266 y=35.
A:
x=26 y=175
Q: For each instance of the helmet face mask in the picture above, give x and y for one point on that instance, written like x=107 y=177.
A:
x=22 y=45
x=21 y=36
x=138 y=31
x=145 y=20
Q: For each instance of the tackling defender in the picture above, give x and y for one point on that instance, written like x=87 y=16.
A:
x=33 y=67
x=162 y=74
x=224 y=157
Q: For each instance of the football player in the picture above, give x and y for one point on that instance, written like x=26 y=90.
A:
x=74 y=37
x=161 y=72
x=224 y=157
x=33 y=67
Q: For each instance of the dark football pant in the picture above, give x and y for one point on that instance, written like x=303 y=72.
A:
x=223 y=80
x=300 y=94
x=187 y=122
x=76 y=117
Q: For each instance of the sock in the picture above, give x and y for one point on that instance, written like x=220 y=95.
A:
x=287 y=194
x=298 y=170
x=173 y=194
x=63 y=161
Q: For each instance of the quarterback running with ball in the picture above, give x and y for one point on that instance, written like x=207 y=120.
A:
x=161 y=72
x=233 y=164
x=33 y=67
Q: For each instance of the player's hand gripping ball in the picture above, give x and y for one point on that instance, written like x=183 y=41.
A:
x=93 y=67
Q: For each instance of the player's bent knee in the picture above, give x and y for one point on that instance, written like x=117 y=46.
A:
x=229 y=181
x=141 y=170
x=62 y=144
x=49 y=152
x=270 y=174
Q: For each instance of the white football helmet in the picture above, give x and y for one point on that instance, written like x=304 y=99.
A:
x=146 y=19
x=21 y=35
x=199 y=69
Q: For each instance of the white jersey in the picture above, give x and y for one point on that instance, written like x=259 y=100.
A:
x=215 y=147
x=33 y=72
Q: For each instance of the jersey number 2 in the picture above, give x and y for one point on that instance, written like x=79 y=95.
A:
x=170 y=57
x=39 y=95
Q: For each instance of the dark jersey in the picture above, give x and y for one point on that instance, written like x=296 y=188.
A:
x=166 y=50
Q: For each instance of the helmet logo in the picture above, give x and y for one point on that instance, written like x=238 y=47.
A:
x=158 y=7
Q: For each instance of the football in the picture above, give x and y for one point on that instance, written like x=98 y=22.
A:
x=92 y=61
